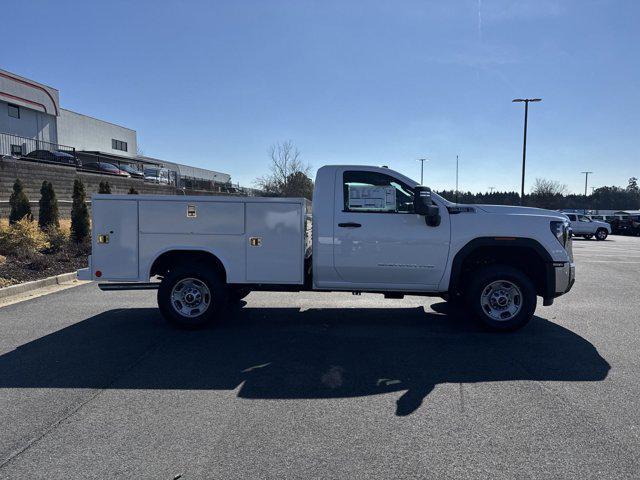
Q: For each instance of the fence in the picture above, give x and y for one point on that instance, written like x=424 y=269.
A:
x=18 y=146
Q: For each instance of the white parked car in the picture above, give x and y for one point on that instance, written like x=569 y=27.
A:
x=373 y=230
x=583 y=226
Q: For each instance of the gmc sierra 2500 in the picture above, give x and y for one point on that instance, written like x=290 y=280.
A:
x=374 y=230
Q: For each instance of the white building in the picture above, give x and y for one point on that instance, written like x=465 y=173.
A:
x=30 y=114
x=31 y=119
x=28 y=109
x=91 y=134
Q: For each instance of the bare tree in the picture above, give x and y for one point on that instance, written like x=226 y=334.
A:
x=544 y=187
x=289 y=175
x=547 y=194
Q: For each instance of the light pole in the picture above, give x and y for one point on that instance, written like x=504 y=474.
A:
x=586 y=179
x=422 y=160
x=456 y=178
x=524 y=143
x=491 y=189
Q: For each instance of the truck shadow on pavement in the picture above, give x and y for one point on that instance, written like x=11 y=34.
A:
x=286 y=353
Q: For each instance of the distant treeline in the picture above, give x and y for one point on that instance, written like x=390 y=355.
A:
x=552 y=195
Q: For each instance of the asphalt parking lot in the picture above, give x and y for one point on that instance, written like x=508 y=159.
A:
x=95 y=385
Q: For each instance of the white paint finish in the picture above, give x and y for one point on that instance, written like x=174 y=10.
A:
x=396 y=252
x=388 y=248
x=88 y=133
x=520 y=222
x=583 y=225
x=228 y=248
x=118 y=259
x=166 y=216
x=279 y=228
x=323 y=219
x=211 y=217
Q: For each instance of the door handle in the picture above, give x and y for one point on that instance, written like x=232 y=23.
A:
x=349 y=225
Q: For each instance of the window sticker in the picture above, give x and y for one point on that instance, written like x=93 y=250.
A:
x=372 y=198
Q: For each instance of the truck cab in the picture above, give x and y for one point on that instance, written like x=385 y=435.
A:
x=370 y=229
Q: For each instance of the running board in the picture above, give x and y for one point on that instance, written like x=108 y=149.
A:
x=128 y=286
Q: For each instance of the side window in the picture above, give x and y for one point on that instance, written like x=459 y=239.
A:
x=572 y=217
x=584 y=219
x=13 y=110
x=375 y=192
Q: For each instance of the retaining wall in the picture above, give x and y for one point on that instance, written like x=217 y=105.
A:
x=62 y=177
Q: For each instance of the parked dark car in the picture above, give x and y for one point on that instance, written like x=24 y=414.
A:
x=54 y=156
x=131 y=170
x=626 y=225
x=105 y=167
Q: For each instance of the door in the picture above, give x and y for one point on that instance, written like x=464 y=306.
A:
x=580 y=224
x=378 y=240
x=274 y=242
x=584 y=224
x=115 y=239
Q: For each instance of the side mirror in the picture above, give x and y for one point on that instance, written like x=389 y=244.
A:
x=422 y=205
x=421 y=200
x=433 y=217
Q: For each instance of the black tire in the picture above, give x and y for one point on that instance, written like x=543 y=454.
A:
x=482 y=280
x=601 y=234
x=217 y=303
x=238 y=293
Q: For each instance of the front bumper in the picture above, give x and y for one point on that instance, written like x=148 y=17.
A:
x=565 y=277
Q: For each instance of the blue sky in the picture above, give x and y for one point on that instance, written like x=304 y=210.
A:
x=214 y=84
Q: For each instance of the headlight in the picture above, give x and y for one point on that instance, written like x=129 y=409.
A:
x=561 y=231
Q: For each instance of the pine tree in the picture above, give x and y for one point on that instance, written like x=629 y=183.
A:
x=79 y=213
x=19 y=202
x=48 y=216
x=104 y=187
x=132 y=191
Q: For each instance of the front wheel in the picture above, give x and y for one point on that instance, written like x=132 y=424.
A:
x=602 y=234
x=502 y=297
x=192 y=296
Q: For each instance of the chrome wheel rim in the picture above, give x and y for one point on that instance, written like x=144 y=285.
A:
x=190 y=297
x=601 y=235
x=501 y=300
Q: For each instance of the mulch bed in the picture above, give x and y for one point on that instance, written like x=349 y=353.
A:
x=16 y=270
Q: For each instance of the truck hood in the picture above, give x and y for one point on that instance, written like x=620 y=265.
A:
x=511 y=210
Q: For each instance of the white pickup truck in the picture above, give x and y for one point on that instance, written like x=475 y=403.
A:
x=584 y=226
x=374 y=230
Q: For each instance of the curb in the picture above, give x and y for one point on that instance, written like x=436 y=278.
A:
x=13 y=290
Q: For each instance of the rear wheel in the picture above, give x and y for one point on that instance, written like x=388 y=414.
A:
x=602 y=234
x=192 y=296
x=501 y=297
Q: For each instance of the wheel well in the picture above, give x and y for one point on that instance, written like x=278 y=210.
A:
x=165 y=262
x=525 y=258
